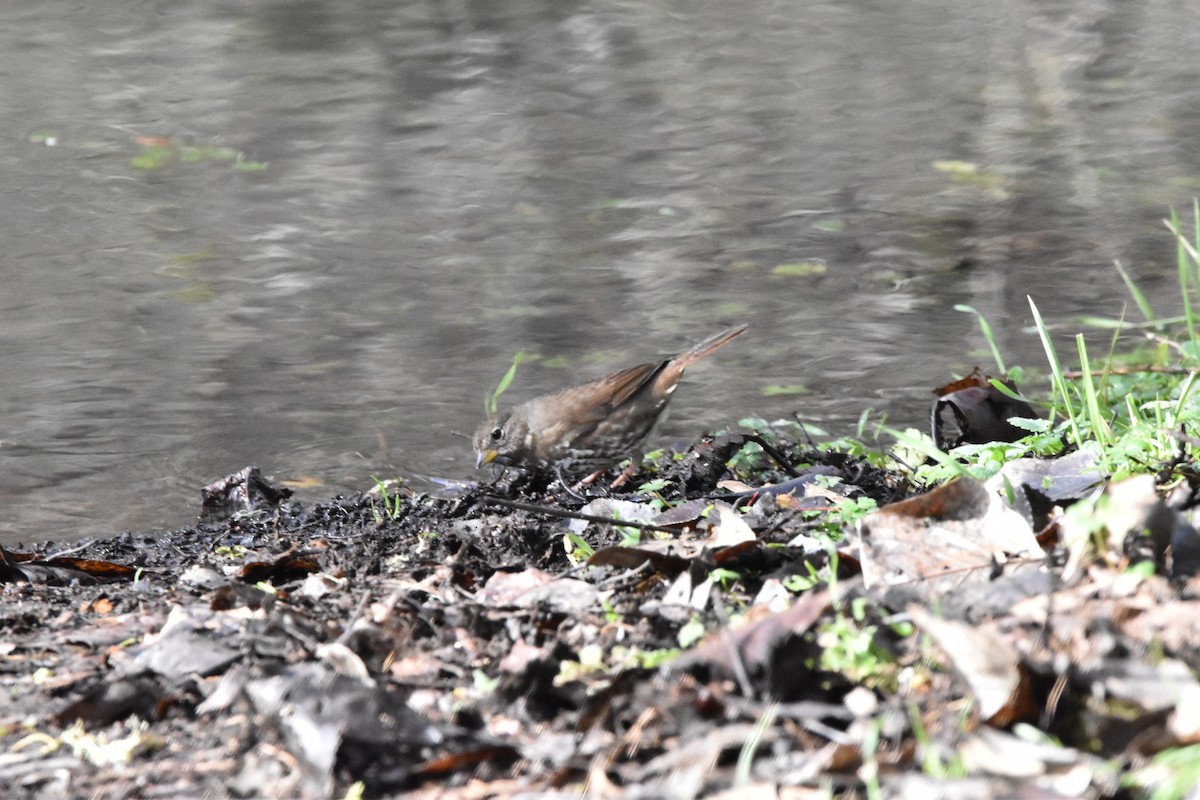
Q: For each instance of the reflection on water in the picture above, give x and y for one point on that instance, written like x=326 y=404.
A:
x=598 y=183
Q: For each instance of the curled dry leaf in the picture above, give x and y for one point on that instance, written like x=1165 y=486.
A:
x=973 y=411
x=957 y=527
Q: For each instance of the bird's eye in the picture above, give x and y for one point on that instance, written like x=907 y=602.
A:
x=496 y=434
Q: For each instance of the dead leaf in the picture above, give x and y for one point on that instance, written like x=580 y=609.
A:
x=988 y=663
x=958 y=527
x=973 y=411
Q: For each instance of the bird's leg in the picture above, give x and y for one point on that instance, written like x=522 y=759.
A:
x=635 y=464
x=571 y=489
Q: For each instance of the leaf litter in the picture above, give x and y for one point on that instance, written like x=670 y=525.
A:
x=704 y=639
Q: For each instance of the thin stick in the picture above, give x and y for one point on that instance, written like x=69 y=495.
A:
x=567 y=513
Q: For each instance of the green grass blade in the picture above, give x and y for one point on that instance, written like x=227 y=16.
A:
x=1099 y=425
x=926 y=447
x=493 y=402
x=1184 y=270
x=1056 y=372
x=1138 y=297
x=987 y=334
x=1184 y=392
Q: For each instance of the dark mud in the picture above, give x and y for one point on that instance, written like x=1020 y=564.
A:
x=435 y=646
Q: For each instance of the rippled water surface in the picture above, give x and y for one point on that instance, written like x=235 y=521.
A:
x=310 y=235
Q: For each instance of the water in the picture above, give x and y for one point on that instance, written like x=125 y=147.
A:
x=599 y=183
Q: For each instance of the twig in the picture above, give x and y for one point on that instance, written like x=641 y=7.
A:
x=770 y=450
x=735 y=655
x=358 y=611
x=568 y=514
x=84 y=545
x=1134 y=371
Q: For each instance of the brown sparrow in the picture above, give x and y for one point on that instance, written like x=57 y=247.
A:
x=592 y=425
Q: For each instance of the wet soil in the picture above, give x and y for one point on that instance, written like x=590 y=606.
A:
x=464 y=646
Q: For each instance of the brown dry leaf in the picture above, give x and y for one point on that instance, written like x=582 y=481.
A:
x=729 y=537
x=989 y=664
x=101 y=570
x=303 y=482
x=439 y=767
x=957 y=527
x=101 y=605
x=536 y=588
x=415 y=667
x=1173 y=625
x=973 y=411
x=115 y=699
x=728 y=528
x=684 y=514
x=15 y=567
x=660 y=554
x=756 y=642
x=505 y=589
x=284 y=569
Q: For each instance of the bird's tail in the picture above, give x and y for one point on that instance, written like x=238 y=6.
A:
x=707 y=347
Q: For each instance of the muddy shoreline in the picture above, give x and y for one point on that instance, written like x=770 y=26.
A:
x=452 y=647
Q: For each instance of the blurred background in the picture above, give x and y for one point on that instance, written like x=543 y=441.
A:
x=311 y=235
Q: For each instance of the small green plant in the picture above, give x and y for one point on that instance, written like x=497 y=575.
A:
x=869 y=771
x=653 y=659
x=483 y=684
x=1171 y=774
x=634 y=658
x=932 y=763
x=652 y=490
x=850 y=646
x=577 y=548
x=725 y=577
x=691 y=632
x=590 y=661
x=846 y=513
x=392 y=504
x=921 y=447
x=802 y=583
x=742 y=776
x=610 y=613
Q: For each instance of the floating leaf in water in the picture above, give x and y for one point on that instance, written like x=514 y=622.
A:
x=161 y=151
x=242 y=165
x=775 y=390
x=800 y=269
x=194 y=293
x=956 y=167
x=154 y=157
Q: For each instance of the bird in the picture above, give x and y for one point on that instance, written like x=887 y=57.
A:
x=592 y=425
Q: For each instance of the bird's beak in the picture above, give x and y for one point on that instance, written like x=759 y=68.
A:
x=484 y=457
